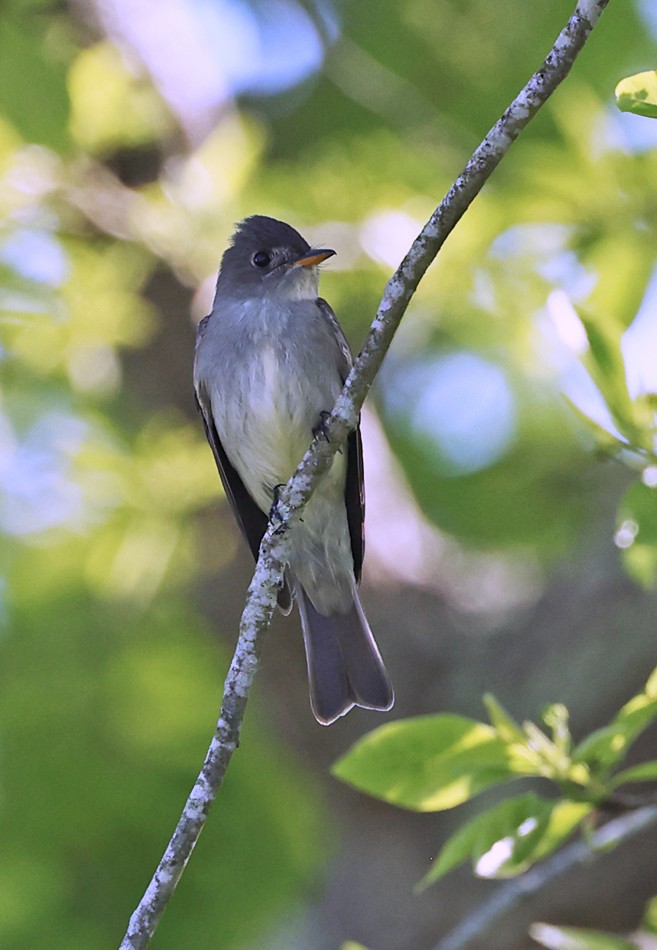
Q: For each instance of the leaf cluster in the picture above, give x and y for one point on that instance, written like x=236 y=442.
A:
x=436 y=762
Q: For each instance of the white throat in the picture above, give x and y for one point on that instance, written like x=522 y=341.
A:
x=300 y=283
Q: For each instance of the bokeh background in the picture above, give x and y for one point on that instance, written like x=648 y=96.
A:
x=133 y=134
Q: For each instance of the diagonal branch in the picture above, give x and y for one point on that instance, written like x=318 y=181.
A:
x=518 y=891
x=275 y=546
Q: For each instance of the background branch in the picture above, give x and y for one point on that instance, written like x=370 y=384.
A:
x=507 y=896
x=261 y=598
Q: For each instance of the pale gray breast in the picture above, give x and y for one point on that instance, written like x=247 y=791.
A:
x=270 y=371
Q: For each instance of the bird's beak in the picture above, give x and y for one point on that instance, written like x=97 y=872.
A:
x=314 y=256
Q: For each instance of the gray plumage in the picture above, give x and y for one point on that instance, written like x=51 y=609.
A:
x=270 y=359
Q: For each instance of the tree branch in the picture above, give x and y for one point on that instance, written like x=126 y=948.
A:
x=520 y=889
x=274 y=550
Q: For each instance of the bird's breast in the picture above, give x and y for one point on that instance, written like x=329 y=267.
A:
x=268 y=427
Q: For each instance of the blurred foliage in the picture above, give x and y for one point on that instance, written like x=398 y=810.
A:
x=581 y=938
x=122 y=706
x=577 y=938
x=431 y=763
x=110 y=676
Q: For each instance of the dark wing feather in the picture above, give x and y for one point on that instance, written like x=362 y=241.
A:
x=354 y=487
x=252 y=521
x=355 y=499
x=331 y=318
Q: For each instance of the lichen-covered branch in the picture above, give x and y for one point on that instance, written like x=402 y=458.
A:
x=261 y=598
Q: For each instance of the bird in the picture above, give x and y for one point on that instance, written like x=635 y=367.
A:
x=269 y=364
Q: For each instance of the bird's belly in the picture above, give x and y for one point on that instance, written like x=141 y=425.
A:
x=268 y=434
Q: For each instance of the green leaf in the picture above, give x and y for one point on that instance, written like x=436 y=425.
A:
x=638 y=94
x=636 y=714
x=649 y=922
x=606 y=747
x=564 y=818
x=477 y=837
x=428 y=763
x=508 y=838
x=651 y=685
x=576 y=938
x=602 y=748
x=505 y=726
x=33 y=90
x=606 y=366
x=608 y=442
x=646 y=772
x=637 y=522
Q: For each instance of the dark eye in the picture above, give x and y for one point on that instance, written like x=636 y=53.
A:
x=261 y=258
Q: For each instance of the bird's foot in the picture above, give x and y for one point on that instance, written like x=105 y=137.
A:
x=274 y=513
x=320 y=431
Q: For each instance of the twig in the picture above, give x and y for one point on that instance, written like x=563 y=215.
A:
x=481 y=921
x=274 y=550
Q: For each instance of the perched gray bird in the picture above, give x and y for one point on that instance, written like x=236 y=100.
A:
x=270 y=361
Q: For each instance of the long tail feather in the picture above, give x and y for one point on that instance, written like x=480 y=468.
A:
x=345 y=668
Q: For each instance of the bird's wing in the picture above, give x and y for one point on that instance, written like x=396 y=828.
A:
x=354 y=486
x=355 y=499
x=252 y=521
x=347 y=359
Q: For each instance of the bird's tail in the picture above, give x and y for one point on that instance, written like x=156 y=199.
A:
x=345 y=668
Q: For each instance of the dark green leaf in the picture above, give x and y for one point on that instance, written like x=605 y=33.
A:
x=508 y=838
x=499 y=825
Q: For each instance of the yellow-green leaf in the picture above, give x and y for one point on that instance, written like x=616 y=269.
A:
x=428 y=763
x=638 y=94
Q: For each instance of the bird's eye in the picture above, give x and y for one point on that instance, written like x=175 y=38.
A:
x=261 y=258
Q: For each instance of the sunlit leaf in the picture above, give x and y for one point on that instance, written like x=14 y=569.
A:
x=110 y=105
x=428 y=763
x=651 y=685
x=636 y=714
x=606 y=747
x=576 y=938
x=565 y=816
x=638 y=94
